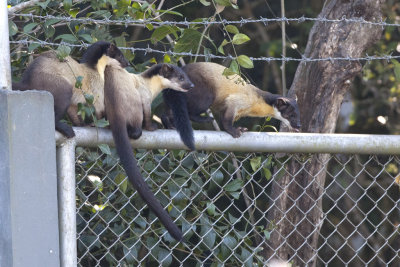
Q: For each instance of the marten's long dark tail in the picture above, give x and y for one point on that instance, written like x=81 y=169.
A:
x=176 y=102
x=129 y=163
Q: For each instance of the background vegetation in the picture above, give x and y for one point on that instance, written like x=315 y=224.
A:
x=372 y=107
x=374 y=94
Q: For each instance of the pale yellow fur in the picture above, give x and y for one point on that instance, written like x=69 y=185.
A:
x=155 y=84
x=134 y=94
x=92 y=83
x=69 y=70
x=101 y=65
x=148 y=88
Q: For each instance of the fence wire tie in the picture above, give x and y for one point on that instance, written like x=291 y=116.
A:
x=241 y=22
x=301 y=20
x=264 y=22
x=304 y=60
x=285 y=19
x=388 y=57
x=322 y=19
x=148 y=50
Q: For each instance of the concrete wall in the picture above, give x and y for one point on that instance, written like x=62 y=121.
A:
x=29 y=234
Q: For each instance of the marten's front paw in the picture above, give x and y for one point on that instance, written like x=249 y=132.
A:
x=151 y=127
x=237 y=132
x=134 y=133
x=242 y=130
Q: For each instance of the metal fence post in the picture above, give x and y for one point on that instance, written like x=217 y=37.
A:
x=66 y=202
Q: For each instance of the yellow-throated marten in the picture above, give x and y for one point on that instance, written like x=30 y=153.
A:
x=227 y=97
x=128 y=100
x=50 y=74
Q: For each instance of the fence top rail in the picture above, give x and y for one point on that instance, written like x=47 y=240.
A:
x=250 y=141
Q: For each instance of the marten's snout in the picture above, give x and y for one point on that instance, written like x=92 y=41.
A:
x=295 y=126
x=123 y=61
x=188 y=85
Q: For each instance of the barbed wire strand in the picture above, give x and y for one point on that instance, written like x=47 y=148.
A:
x=242 y=21
x=149 y=50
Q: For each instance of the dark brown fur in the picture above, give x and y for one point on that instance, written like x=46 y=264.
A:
x=128 y=100
x=50 y=74
x=229 y=98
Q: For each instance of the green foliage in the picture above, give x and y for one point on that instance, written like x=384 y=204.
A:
x=185 y=182
x=112 y=224
x=195 y=39
x=12 y=28
x=78 y=83
x=62 y=52
x=396 y=69
x=221 y=47
x=110 y=201
x=29 y=27
x=162 y=31
x=376 y=92
x=240 y=38
x=188 y=41
x=205 y=2
x=245 y=62
x=232 y=29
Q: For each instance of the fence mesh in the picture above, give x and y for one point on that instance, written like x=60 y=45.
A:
x=221 y=201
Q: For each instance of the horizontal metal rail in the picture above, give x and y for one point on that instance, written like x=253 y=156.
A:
x=250 y=141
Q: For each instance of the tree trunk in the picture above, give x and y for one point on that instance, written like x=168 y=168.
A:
x=296 y=214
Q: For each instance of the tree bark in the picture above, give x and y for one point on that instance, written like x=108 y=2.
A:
x=295 y=213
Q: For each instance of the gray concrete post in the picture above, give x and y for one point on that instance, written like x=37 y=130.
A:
x=5 y=63
x=29 y=234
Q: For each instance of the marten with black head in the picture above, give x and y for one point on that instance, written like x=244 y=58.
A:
x=50 y=74
x=227 y=97
x=128 y=100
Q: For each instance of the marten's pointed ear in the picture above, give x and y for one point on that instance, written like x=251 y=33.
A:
x=281 y=102
x=111 y=50
x=166 y=70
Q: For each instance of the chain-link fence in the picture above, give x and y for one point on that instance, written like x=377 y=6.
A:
x=221 y=200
